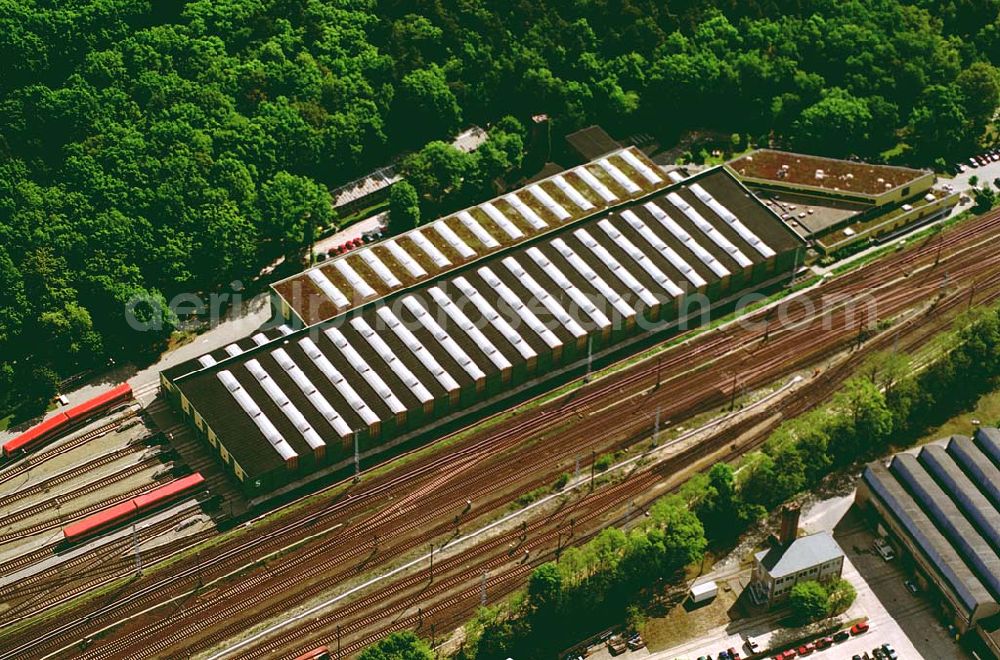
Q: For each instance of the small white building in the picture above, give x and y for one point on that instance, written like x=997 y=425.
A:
x=704 y=591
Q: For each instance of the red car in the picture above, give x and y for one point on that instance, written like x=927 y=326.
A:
x=824 y=642
x=785 y=655
x=806 y=649
x=859 y=628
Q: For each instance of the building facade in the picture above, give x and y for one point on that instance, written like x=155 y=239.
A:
x=777 y=569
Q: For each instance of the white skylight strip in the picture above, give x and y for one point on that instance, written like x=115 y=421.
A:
x=365 y=371
x=578 y=297
x=284 y=330
x=639 y=166
x=571 y=192
x=518 y=306
x=502 y=221
x=260 y=339
x=449 y=345
x=246 y=402
x=478 y=230
x=640 y=257
x=706 y=227
x=497 y=321
x=401 y=371
x=546 y=199
x=671 y=225
x=403 y=257
x=596 y=184
x=453 y=240
x=628 y=184
x=470 y=329
x=207 y=360
x=233 y=350
x=379 y=268
x=418 y=349
x=526 y=212
x=318 y=401
x=320 y=279
x=675 y=260
x=356 y=281
x=675 y=176
x=430 y=249
x=595 y=280
x=543 y=296
x=274 y=391
x=616 y=267
x=344 y=388
x=745 y=233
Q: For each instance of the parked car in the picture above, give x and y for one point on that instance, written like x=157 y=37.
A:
x=807 y=648
x=841 y=636
x=889 y=651
x=752 y=644
x=733 y=654
x=823 y=642
x=912 y=586
x=860 y=627
x=617 y=645
x=635 y=642
x=856 y=656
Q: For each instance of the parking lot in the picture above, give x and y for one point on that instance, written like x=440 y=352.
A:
x=911 y=619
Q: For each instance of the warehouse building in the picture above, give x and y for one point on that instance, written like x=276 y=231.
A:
x=361 y=276
x=432 y=348
x=942 y=508
x=837 y=203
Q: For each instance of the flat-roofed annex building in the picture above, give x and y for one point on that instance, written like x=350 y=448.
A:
x=942 y=508
x=279 y=409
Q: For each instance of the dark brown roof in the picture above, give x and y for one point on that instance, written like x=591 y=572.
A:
x=835 y=175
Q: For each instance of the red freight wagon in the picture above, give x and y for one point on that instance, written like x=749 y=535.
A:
x=35 y=434
x=101 y=402
x=136 y=506
x=65 y=421
x=168 y=492
x=322 y=653
x=103 y=519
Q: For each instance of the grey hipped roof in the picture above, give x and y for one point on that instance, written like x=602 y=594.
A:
x=803 y=553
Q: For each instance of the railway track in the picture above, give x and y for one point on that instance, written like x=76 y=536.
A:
x=62 y=519
x=68 y=579
x=63 y=477
x=507 y=437
x=33 y=460
x=392 y=601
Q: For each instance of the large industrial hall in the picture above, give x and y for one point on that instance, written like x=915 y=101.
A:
x=283 y=404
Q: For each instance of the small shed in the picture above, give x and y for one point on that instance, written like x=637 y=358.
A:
x=704 y=591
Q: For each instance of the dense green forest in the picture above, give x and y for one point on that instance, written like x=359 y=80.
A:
x=151 y=148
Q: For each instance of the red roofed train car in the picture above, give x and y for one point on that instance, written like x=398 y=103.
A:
x=37 y=434
x=120 y=513
x=170 y=491
x=321 y=653
x=100 y=403
x=109 y=517
x=65 y=421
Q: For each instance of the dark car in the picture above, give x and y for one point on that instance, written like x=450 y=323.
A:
x=841 y=636
x=912 y=586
